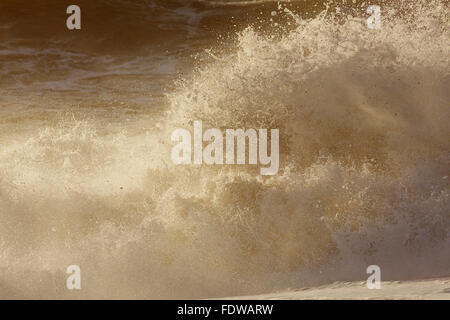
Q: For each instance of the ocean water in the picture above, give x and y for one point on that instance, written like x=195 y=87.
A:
x=86 y=176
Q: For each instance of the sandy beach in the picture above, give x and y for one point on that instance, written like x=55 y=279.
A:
x=431 y=289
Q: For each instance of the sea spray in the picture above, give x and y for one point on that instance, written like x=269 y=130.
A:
x=363 y=175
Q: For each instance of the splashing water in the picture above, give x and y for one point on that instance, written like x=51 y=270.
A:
x=363 y=118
